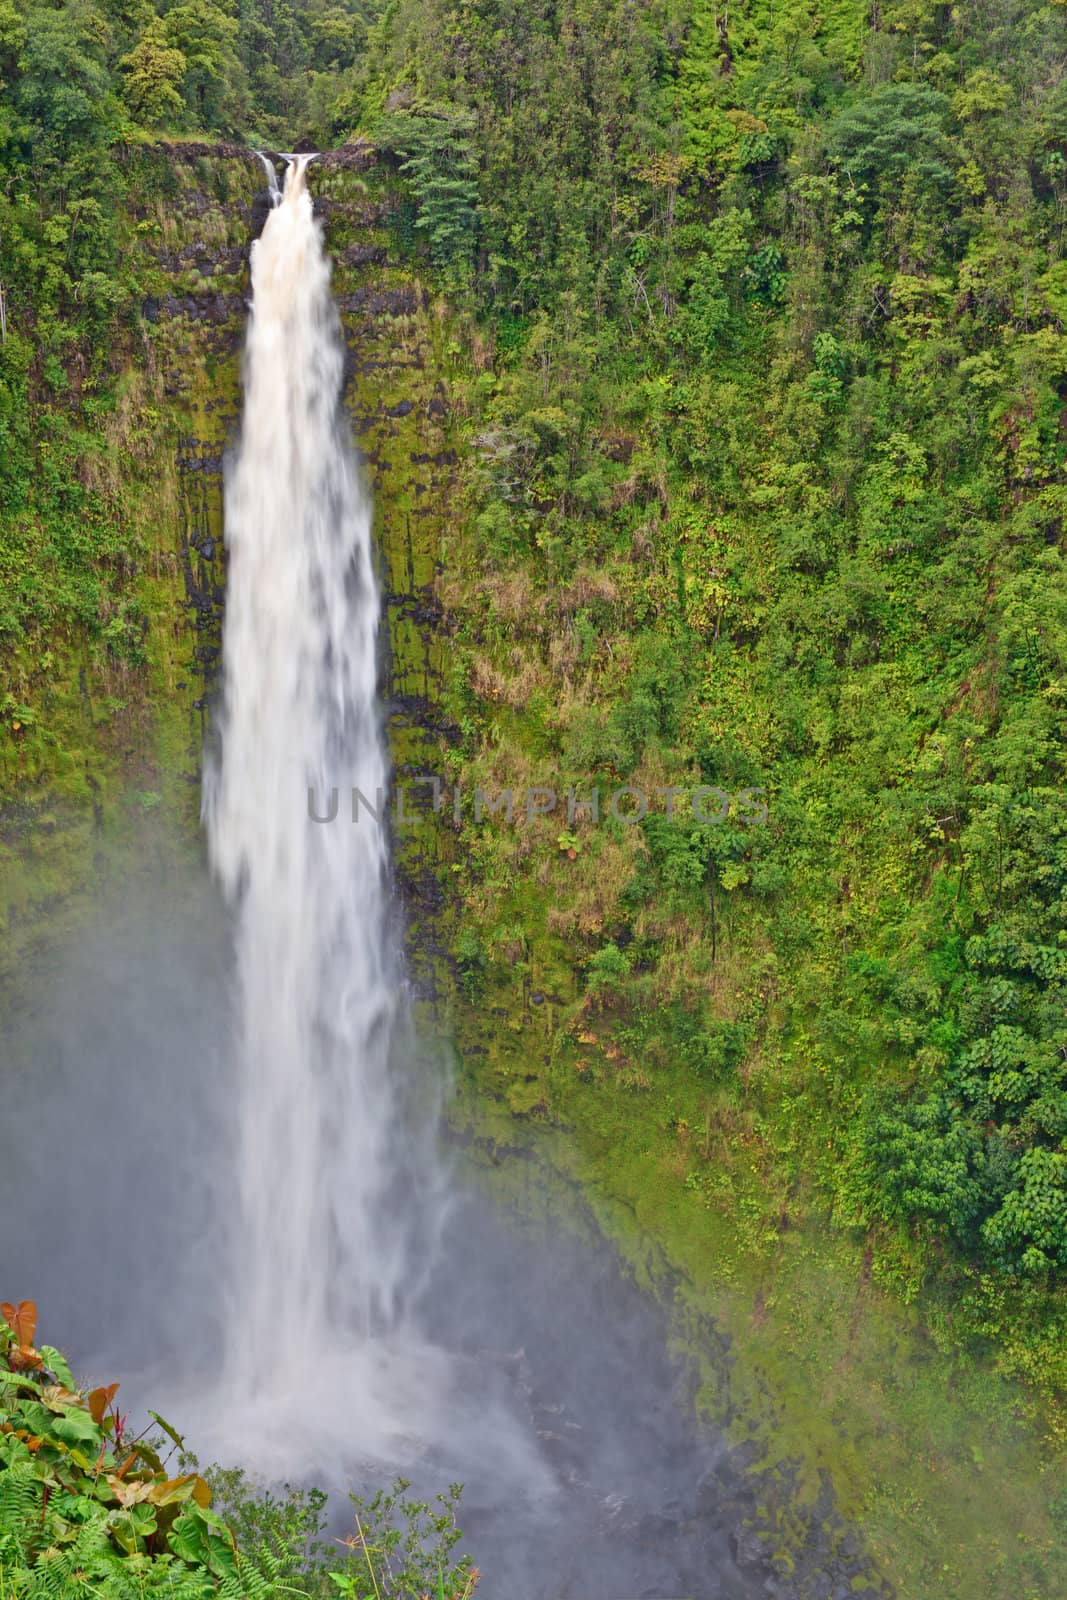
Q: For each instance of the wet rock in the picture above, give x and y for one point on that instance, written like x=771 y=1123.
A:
x=211 y=308
x=363 y=255
x=747 y=1549
x=745 y=1455
x=355 y=157
x=261 y=210
x=188 y=150
x=378 y=303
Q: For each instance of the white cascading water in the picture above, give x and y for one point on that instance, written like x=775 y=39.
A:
x=319 y=1257
x=340 y=1191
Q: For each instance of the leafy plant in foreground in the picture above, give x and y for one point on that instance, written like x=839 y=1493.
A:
x=402 y=1548
x=83 y=1507
x=86 y=1510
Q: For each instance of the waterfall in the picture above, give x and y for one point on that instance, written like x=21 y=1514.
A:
x=274 y=188
x=333 y=1366
x=319 y=1253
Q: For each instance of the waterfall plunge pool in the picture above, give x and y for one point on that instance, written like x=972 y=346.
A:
x=555 y=1398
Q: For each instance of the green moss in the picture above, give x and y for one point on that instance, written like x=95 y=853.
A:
x=113 y=706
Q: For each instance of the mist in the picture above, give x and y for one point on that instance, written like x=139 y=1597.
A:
x=533 y=1370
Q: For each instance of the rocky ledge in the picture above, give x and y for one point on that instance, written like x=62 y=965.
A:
x=355 y=157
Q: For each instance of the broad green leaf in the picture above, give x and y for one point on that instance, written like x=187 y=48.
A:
x=56 y=1363
x=170 y=1431
x=77 y=1427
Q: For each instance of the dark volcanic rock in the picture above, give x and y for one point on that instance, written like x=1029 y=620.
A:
x=214 y=308
x=356 y=157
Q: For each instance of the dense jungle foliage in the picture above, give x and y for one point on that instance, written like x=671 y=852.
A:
x=769 y=430
x=763 y=396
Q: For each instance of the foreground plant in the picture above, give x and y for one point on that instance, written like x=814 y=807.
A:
x=83 y=1508
x=87 y=1510
x=402 y=1549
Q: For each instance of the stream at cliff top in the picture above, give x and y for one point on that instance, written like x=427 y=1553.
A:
x=239 y=1204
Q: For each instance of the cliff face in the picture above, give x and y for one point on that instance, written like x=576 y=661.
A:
x=114 y=739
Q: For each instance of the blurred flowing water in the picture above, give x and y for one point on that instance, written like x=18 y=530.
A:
x=336 y=1194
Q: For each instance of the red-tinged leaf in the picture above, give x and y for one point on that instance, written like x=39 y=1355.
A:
x=173 y=1490
x=27 y=1323
x=22 y=1320
x=132 y=1493
x=99 y=1400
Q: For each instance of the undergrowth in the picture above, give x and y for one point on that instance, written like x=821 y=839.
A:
x=88 y=1508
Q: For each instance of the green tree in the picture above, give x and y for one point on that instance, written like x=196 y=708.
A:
x=64 y=86
x=440 y=163
x=154 y=71
x=206 y=35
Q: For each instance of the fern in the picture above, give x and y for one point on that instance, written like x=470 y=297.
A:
x=85 y=1566
x=21 y=1492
